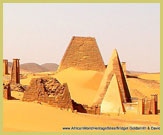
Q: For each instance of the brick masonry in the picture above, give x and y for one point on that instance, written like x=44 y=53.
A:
x=48 y=90
x=84 y=54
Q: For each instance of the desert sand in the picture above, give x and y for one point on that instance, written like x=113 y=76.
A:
x=19 y=116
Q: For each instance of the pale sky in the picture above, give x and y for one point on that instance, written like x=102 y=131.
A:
x=41 y=33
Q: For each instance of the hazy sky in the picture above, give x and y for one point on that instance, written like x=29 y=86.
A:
x=41 y=33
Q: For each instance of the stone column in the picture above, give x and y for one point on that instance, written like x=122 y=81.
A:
x=5 y=67
x=15 y=73
x=141 y=106
x=153 y=104
x=124 y=68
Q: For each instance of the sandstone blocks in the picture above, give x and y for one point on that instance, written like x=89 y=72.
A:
x=15 y=72
x=49 y=90
x=82 y=53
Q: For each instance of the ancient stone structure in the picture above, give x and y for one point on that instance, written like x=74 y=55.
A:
x=112 y=82
x=145 y=106
x=85 y=108
x=6 y=91
x=82 y=53
x=154 y=102
x=48 y=90
x=149 y=106
x=15 y=72
x=112 y=101
x=5 y=67
x=124 y=68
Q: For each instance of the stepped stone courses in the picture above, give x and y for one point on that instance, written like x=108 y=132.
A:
x=82 y=53
x=15 y=72
x=114 y=67
x=49 y=90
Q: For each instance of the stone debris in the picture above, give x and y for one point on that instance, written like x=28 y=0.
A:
x=18 y=87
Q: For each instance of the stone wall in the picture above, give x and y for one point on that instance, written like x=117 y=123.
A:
x=149 y=106
x=82 y=53
x=48 y=90
x=143 y=106
x=92 y=109
x=85 y=108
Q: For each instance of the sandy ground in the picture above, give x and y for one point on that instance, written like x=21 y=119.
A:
x=26 y=116
x=21 y=116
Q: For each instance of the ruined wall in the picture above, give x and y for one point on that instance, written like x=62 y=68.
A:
x=82 y=53
x=85 y=108
x=48 y=90
x=149 y=106
x=15 y=72
x=154 y=104
x=92 y=109
x=5 y=67
x=6 y=91
x=143 y=106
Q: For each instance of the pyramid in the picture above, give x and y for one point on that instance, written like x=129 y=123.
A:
x=112 y=101
x=84 y=54
x=48 y=90
x=114 y=67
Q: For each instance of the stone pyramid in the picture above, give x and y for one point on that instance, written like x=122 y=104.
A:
x=114 y=67
x=112 y=101
x=48 y=90
x=82 y=53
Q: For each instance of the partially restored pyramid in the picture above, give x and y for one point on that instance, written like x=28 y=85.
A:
x=114 y=67
x=112 y=101
x=82 y=53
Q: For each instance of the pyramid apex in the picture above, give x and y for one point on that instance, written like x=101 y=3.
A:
x=115 y=52
x=114 y=55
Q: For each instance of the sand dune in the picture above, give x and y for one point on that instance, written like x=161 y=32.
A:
x=82 y=84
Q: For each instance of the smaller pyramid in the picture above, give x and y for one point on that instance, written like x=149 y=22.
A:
x=114 y=68
x=112 y=102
